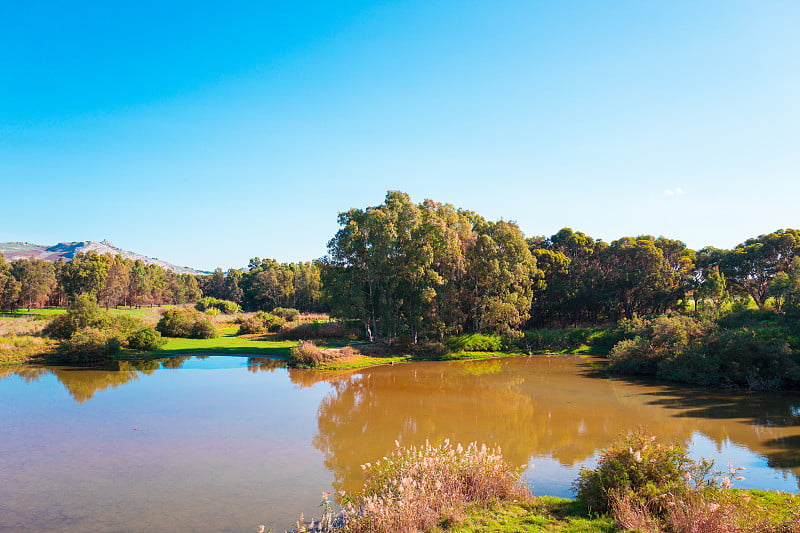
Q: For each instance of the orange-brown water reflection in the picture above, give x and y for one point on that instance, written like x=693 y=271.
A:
x=226 y=443
x=534 y=408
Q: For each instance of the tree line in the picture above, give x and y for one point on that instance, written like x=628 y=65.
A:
x=406 y=269
x=112 y=279
x=431 y=270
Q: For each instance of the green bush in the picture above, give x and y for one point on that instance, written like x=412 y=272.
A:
x=146 y=340
x=185 y=323
x=751 y=349
x=204 y=329
x=639 y=466
x=288 y=314
x=475 y=342
x=88 y=345
x=259 y=323
x=316 y=330
x=273 y=323
x=223 y=306
x=120 y=325
x=82 y=313
x=251 y=326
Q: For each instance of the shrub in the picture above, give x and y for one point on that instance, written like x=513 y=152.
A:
x=272 y=322
x=120 y=325
x=82 y=313
x=146 y=339
x=420 y=488
x=259 y=323
x=475 y=342
x=203 y=329
x=745 y=350
x=288 y=314
x=435 y=350
x=250 y=326
x=88 y=345
x=185 y=323
x=641 y=468
x=306 y=355
x=222 y=306
x=314 y=330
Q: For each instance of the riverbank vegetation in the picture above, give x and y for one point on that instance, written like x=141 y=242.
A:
x=430 y=280
x=639 y=484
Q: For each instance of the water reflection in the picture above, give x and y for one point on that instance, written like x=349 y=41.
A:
x=82 y=383
x=534 y=408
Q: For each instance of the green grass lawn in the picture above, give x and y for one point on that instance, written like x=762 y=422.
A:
x=226 y=343
x=50 y=312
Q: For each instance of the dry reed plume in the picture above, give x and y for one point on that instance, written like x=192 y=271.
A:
x=416 y=488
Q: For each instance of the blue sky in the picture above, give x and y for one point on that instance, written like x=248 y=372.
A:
x=208 y=133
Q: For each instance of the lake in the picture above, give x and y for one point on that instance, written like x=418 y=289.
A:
x=225 y=443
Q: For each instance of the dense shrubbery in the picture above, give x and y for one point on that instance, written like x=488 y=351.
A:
x=259 y=323
x=88 y=345
x=640 y=467
x=748 y=349
x=146 y=339
x=223 y=306
x=288 y=314
x=318 y=330
x=82 y=313
x=475 y=342
x=185 y=323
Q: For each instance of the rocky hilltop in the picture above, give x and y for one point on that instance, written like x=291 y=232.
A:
x=67 y=250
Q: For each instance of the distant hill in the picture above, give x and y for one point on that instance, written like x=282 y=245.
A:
x=67 y=250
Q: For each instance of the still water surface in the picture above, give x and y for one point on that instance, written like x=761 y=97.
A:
x=224 y=443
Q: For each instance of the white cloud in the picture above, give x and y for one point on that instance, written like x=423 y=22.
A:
x=673 y=192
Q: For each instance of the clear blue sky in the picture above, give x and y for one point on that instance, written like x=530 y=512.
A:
x=208 y=133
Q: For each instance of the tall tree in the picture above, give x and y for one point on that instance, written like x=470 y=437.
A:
x=36 y=280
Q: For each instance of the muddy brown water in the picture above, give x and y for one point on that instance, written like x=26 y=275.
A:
x=223 y=443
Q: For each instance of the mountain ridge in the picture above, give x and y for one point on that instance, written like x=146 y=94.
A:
x=68 y=250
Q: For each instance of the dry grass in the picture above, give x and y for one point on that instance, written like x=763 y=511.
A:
x=314 y=330
x=419 y=488
x=21 y=339
x=723 y=511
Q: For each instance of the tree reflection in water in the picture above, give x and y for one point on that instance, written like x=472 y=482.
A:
x=533 y=408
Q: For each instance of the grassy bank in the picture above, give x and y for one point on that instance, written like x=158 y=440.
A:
x=639 y=484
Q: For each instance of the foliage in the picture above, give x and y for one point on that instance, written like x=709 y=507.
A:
x=251 y=326
x=185 y=323
x=475 y=342
x=260 y=323
x=146 y=339
x=317 y=330
x=407 y=269
x=748 y=349
x=641 y=468
x=290 y=315
x=83 y=312
x=88 y=345
x=224 y=306
x=306 y=354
